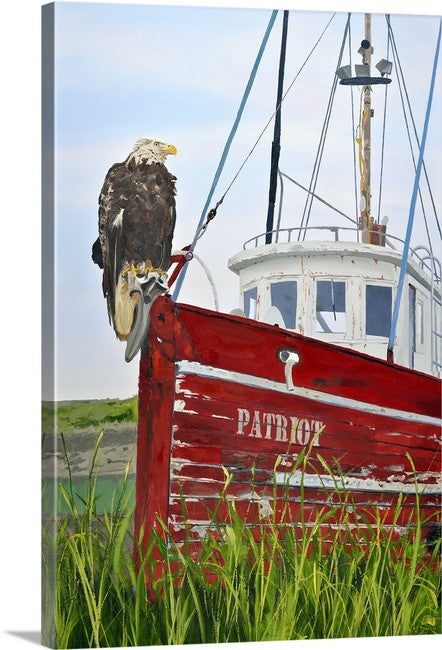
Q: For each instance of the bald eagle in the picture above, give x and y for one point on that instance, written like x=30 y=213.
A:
x=136 y=220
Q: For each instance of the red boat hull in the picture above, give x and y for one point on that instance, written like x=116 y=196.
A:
x=216 y=402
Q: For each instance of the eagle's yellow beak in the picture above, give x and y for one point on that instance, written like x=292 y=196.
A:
x=171 y=149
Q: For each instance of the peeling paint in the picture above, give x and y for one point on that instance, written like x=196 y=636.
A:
x=263 y=503
x=180 y=443
x=179 y=405
x=354 y=484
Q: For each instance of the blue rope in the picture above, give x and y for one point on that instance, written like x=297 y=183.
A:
x=413 y=199
x=227 y=146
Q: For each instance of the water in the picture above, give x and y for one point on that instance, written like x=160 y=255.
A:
x=108 y=489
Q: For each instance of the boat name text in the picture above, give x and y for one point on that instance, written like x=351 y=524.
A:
x=278 y=427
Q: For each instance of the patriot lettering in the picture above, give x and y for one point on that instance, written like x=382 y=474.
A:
x=277 y=427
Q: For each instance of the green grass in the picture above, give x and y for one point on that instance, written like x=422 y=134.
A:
x=269 y=586
x=81 y=414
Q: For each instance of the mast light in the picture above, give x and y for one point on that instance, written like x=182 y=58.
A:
x=384 y=67
x=365 y=46
x=362 y=70
x=362 y=74
x=344 y=72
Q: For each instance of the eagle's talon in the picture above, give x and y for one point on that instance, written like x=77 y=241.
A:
x=161 y=272
x=142 y=270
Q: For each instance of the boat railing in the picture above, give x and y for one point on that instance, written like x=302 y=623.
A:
x=432 y=264
x=421 y=255
x=427 y=261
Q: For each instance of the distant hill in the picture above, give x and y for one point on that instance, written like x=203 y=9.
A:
x=68 y=416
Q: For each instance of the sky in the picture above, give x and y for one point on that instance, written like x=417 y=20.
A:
x=178 y=73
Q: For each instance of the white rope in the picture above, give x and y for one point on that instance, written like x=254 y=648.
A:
x=207 y=272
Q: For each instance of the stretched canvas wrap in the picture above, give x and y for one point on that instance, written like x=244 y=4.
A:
x=242 y=325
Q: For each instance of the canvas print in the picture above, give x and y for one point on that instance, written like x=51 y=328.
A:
x=242 y=325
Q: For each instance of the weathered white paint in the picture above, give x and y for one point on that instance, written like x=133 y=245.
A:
x=198 y=369
x=394 y=484
x=202 y=527
x=180 y=407
x=351 y=484
x=370 y=503
x=263 y=502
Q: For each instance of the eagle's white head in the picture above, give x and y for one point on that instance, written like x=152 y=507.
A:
x=151 y=150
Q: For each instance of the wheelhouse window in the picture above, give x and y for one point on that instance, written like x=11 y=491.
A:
x=330 y=306
x=284 y=297
x=420 y=322
x=250 y=302
x=378 y=302
x=415 y=324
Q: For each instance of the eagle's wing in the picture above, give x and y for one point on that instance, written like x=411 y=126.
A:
x=112 y=204
x=149 y=220
x=136 y=220
x=165 y=182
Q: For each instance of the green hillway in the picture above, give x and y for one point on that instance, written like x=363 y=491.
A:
x=69 y=416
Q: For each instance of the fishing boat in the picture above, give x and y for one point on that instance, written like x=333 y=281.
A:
x=334 y=355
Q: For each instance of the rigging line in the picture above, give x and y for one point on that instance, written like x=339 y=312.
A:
x=275 y=111
x=413 y=122
x=413 y=202
x=317 y=163
x=394 y=48
x=353 y=134
x=401 y=83
x=401 y=78
x=247 y=90
x=381 y=174
x=281 y=197
x=321 y=145
x=318 y=198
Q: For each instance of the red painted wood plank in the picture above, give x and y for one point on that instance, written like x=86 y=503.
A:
x=199 y=513
x=382 y=458
x=222 y=401
x=225 y=398
x=322 y=365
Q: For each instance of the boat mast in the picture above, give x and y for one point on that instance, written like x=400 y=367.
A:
x=365 y=220
x=370 y=233
x=276 y=144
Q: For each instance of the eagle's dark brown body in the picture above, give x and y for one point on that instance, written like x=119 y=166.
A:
x=136 y=220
